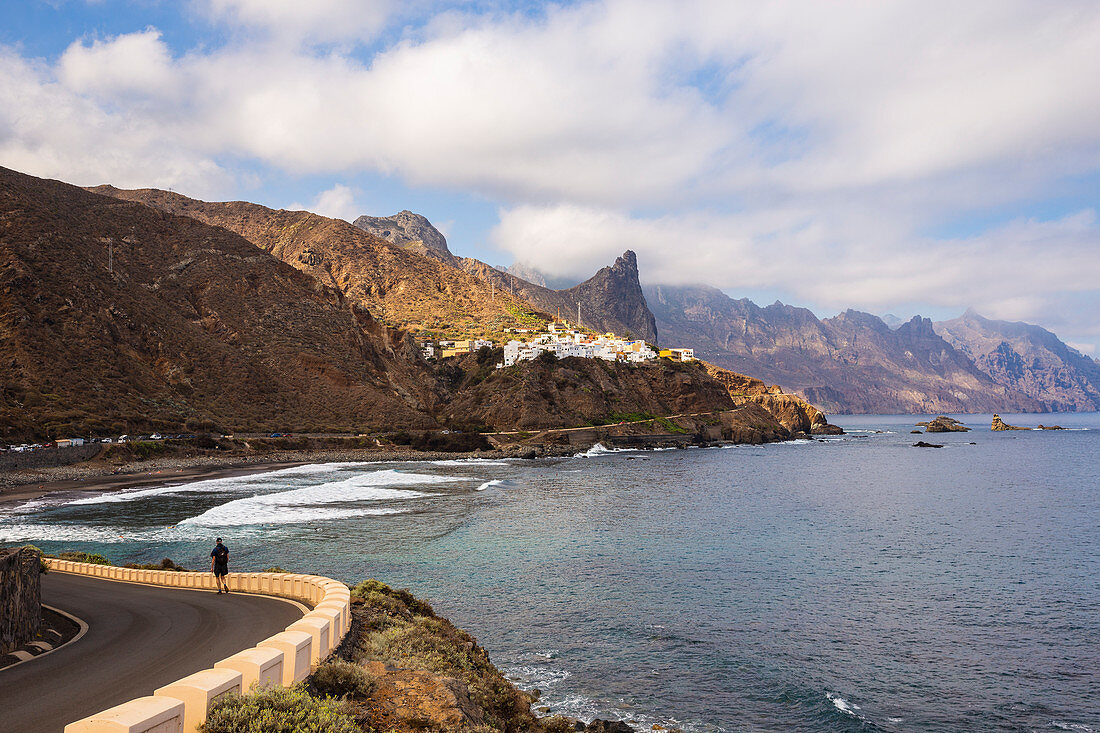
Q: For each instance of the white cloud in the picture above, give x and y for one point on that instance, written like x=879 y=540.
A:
x=306 y=20
x=337 y=202
x=134 y=65
x=48 y=130
x=1016 y=272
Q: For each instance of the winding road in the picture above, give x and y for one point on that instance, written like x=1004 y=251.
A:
x=139 y=638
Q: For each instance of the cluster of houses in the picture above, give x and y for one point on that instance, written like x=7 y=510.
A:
x=564 y=342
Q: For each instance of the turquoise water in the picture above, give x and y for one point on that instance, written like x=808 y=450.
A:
x=852 y=584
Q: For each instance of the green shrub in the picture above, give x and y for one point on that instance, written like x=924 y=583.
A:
x=379 y=595
x=341 y=680
x=669 y=425
x=278 y=710
x=43 y=568
x=90 y=557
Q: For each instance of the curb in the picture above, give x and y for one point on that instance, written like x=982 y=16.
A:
x=289 y=656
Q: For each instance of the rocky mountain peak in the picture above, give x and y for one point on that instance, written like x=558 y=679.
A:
x=404 y=228
x=616 y=292
x=627 y=264
x=918 y=326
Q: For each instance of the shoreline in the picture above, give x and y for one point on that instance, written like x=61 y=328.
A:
x=96 y=476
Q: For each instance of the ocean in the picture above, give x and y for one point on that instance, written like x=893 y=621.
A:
x=851 y=583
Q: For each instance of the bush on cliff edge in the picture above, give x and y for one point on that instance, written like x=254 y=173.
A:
x=278 y=710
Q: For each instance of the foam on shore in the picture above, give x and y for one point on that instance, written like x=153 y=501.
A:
x=302 y=504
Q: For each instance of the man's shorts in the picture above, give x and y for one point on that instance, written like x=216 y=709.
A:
x=221 y=569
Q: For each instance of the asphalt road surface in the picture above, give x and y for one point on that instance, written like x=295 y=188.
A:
x=139 y=638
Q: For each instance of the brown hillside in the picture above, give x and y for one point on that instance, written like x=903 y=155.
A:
x=195 y=327
x=400 y=286
x=549 y=393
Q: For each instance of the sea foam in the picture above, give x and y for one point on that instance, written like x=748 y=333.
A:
x=224 y=484
x=301 y=505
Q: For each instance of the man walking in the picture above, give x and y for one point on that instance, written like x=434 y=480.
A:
x=219 y=565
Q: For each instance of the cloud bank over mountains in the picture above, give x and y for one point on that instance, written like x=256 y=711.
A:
x=864 y=154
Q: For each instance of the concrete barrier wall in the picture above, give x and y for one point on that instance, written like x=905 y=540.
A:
x=283 y=659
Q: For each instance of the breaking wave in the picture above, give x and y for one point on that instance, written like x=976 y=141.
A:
x=226 y=483
x=301 y=505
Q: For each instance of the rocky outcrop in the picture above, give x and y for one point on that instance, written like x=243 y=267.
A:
x=548 y=393
x=1028 y=359
x=794 y=413
x=410 y=231
x=999 y=424
x=922 y=444
x=852 y=363
x=944 y=424
x=20 y=597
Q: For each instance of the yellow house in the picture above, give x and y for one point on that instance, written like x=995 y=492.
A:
x=678 y=354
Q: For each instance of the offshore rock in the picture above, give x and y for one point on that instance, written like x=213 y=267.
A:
x=1050 y=427
x=999 y=424
x=922 y=444
x=608 y=726
x=944 y=424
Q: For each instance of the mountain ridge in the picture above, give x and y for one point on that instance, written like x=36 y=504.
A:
x=851 y=363
x=1028 y=358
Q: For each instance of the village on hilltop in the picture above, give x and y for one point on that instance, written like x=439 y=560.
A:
x=561 y=340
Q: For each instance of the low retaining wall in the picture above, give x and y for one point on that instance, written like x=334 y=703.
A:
x=283 y=659
x=48 y=457
x=20 y=597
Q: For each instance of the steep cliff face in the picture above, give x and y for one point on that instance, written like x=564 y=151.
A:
x=1028 y=359
x=117 y=317
x=853 y=363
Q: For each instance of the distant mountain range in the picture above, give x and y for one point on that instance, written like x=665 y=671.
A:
x=859 y=363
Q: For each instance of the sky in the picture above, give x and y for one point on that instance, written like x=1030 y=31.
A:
x=915 y=157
